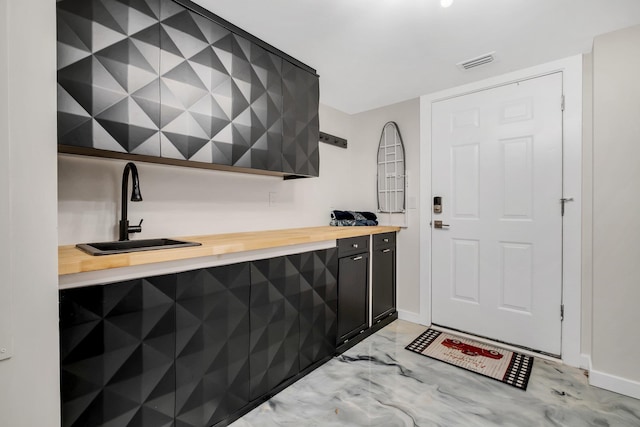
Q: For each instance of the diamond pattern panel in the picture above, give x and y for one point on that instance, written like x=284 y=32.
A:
x=212 y=344
x=301 y=129
x=318 y=304
x=108 y=75
x=151 y=77
x=117 y=346
x=221 y=95
x=275 y=324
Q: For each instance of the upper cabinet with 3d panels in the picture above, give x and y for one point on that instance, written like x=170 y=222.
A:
x=169 y=82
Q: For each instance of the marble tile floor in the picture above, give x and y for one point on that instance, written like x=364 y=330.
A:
x=379 y=383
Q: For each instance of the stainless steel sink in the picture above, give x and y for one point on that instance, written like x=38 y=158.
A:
x=120 y=247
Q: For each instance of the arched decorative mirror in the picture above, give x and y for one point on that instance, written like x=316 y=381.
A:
x=391 y=170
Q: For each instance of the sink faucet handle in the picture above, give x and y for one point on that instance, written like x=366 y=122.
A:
x=136 y=228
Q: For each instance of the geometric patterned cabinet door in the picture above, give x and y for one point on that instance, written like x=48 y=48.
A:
x=294 y=302
x=117 y=347
x=221 y=95
x=318 y=305
x=301 y=94
x=212 y=344
x=108 y=75
x=275 y=324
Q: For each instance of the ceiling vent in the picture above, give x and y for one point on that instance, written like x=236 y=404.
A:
x=477 y=61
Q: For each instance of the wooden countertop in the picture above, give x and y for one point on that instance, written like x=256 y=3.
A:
x=72 y=260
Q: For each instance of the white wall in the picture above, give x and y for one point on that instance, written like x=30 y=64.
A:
x=616 y=211
x=29 y=395
x=179 y=201
x=366 y=130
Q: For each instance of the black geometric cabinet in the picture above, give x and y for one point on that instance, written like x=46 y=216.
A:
x=318 y=305
x=108 y=75
x=293 y=316
x=275 y=324
x=221 y=95
x=154 y=79
x=195 y=348
x=117 y=348
x=301 y=121
x=212 y=344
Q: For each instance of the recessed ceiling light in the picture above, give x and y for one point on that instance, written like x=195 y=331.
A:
x=446 y=3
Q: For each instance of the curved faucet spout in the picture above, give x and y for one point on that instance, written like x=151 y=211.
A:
x=136 y=196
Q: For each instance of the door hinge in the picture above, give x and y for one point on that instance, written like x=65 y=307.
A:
x=563 y=201
x=561 y=312
x=562 y=103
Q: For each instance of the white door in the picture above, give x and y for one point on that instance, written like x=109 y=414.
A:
x=497 y=165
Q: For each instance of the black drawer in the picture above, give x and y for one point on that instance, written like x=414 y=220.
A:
x=353 y=245
x=384 y=240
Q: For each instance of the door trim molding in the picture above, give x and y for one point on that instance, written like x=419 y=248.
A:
x=572 y=187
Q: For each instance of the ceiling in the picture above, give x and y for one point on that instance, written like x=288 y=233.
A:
x=371 y=53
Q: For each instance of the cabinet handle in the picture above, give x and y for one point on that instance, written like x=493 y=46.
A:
x=386 y=250
x=385 y=240
x=355 y=245
x=358 y=258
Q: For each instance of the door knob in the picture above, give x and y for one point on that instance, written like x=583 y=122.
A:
x=439 y=224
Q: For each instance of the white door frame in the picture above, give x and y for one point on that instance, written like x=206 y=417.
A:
x=6 y=313
x=572 y=187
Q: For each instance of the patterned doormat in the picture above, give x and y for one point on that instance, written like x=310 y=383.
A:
x=494 y=362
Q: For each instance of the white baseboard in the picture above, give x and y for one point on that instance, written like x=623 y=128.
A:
x=614 y=383
x=409 y=316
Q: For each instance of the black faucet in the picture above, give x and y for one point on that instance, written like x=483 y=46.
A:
x=125 y=229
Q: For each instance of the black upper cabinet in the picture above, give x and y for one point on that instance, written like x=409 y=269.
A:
x=221 y=95
x=108 y=70
x=195 y=86
x=301 y=123
x=155 y=79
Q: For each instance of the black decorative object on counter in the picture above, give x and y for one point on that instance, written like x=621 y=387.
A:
x=173 y=83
